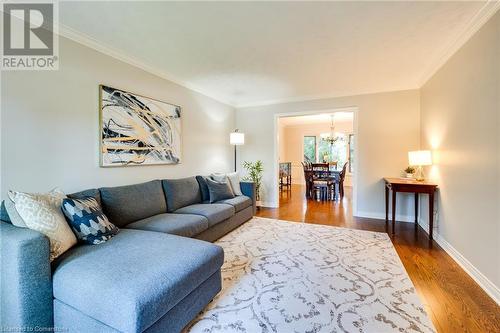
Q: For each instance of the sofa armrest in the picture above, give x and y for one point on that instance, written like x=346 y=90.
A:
x=248 y=189
x=25 y=279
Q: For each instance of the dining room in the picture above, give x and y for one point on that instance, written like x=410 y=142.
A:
x=316 y=162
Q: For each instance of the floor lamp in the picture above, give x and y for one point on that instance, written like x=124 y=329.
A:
x=236 y=139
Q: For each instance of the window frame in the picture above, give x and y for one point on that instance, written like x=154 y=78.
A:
x=315 y=147
x=350 y=150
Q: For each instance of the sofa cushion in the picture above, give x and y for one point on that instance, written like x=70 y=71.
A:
x=181 y=192
x=239 y=202
x=126 y=204
x=135 y=278
x=188 y=225
x=215 y=213
x=93 y=192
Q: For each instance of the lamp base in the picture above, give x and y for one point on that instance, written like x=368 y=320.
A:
x=419 y=174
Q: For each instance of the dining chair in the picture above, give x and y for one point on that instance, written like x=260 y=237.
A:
x=320 y=166
x=308 y=177
x=321 y=190
x=341 y=180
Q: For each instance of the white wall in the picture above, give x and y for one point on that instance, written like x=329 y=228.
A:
x=460 y=110
x=388 y=127
x=292 y=141
x=50 y=130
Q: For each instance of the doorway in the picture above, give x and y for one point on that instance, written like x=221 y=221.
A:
x=326 y=136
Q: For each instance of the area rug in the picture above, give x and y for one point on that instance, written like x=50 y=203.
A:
x=281 y=276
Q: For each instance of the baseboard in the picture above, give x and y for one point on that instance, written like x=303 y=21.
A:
x=268 y=204
x=489 y=287
x=381 y=216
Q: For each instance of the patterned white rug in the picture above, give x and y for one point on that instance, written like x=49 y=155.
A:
x=285 y=277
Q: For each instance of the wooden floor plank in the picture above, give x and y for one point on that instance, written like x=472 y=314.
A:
x=455 y=303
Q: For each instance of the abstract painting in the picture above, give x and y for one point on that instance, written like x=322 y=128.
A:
x=137 y=130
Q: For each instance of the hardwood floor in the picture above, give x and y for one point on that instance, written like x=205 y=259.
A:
x=452 y=299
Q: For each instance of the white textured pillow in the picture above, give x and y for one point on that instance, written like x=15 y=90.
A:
x=42 y=212
x=234 y=180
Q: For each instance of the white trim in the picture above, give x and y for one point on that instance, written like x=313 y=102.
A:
x=94 y=44
x=268 y=204
x=381 y=216
x=489 y=287
x=482 y=16
x=306 y=98
x=484 y=283
x=355 y=175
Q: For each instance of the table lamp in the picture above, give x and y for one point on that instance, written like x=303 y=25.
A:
x=236 y=139
x=419 y=158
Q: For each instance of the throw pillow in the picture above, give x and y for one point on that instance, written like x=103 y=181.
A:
x=4 y=215
x=205 y=195
x=42 y=212
x=87 y=220
x=15 y=219
x=219 y=191
x=234 y=180
x=221 y=178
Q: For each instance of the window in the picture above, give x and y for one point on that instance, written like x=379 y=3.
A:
x=310 y=149
x=317 y=150
x=351 y=152
x=333 y=153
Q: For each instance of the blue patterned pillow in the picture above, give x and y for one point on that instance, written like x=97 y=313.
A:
x=87 y=220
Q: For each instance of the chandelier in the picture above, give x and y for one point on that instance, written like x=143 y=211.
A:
x=331 y=138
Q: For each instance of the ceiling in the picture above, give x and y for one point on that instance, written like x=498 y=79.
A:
x=323 y=118
x=251 y=53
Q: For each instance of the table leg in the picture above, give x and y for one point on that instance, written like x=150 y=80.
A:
x=416 y=211
x=393 y=210
x=386 y=204
x=431 y=214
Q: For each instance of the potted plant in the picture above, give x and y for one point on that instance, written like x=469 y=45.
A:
x=409 y=171
x=254 y=174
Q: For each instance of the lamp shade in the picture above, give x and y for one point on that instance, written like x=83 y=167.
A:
x=420 y=157
x=237 y=138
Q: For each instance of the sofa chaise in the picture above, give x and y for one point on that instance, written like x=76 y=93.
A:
x=155 y=275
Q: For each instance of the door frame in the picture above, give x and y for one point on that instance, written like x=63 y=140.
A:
x=277 y=116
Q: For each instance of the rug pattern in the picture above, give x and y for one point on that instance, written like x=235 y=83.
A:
x=285 y=277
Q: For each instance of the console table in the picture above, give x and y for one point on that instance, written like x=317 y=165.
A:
x=409 y=186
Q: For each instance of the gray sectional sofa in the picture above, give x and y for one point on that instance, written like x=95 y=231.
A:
x=155 y=275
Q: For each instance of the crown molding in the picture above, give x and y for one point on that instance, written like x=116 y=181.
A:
x=482 y=16
x=320 y=97
x=94 y=44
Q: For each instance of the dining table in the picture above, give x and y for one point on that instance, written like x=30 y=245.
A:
x=329 y=175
